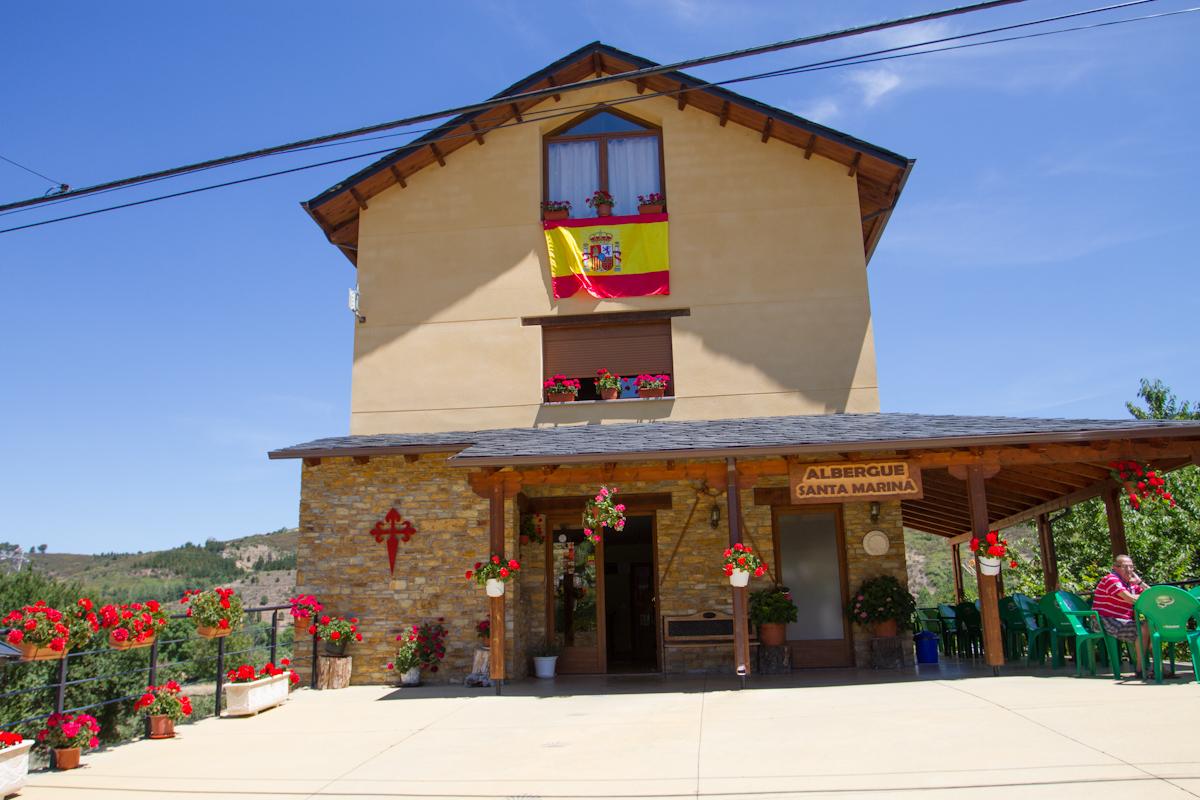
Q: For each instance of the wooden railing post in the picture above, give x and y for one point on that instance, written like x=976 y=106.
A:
x=741 y=626
x=496 y=611
x=989 y=606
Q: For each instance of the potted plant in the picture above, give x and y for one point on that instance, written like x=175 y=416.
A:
x=249 y=691
x=1141 y=483
x=422 y=647
x=652 y=385
x=164 y=705
x=67 y=735
x=884 y=604
x=43 y=633
x=336 y=633
x=556 y=209
x=990 y=551
x=608 y=386
x=304 y=608
x=652 y=203
x=560 y=389
x=493 y=574
x=216 y=613
x=602 y=201
x=545 y=659
x=14 y=762
x=132 y=625
x=739 y=561
x=771 y=610
x=531 y=528
x=603 y=511
x=483 y=630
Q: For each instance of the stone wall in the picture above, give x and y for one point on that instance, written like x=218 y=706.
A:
x=856 y=519
x=340 y=562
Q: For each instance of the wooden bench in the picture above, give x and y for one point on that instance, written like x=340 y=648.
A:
x=702 y=629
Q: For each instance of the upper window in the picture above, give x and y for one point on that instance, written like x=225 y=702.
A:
x=604 y=150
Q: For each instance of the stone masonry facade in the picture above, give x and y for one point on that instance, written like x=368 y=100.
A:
x=340 y=562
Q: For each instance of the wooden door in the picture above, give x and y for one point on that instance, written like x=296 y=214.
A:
x=810 y=554
x=575 y=607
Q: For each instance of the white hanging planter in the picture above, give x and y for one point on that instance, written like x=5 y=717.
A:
x=495 y=587
x=243 y=699
x=740 y=577
x=989 y=565
x=14 y=767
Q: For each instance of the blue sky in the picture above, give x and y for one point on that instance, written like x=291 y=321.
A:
x=1040 y=263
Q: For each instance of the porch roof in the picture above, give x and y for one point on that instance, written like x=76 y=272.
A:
x=738 y=437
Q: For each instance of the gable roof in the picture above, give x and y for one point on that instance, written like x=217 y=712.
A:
x=880 y=173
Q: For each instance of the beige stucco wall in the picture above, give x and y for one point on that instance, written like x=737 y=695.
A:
x=766 y=251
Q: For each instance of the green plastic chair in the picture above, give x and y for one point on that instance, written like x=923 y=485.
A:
x=1058 y=627
x=928 y=619
x=1167 y=610
x=1195 y=591
x=1078 y=613
x=970 y=625
x=1013 y=622
x=950 y=628
x=1037 y=629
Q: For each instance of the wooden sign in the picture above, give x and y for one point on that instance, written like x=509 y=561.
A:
x=853 y=481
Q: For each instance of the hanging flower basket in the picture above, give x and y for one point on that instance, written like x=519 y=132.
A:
x=603 y=511
x=304 y=609
x=493 y=574
x=739 y=562
x=216 y=613
x=1142 y=484
x=990 y=552
x=43 y=633
x=132 y=625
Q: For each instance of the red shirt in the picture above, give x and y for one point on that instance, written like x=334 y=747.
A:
x=1106 y=602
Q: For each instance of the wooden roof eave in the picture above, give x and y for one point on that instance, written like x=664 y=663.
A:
x=338 y=206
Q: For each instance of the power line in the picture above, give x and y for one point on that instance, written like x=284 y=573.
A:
x=58 y=184
x=864 y=58
x=543 y=93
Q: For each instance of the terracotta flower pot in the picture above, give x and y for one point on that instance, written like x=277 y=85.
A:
x=32 y=652
x=610 y=394
x=772 y=634
x=604 y=209
x=129 y=644
x=66 y=757
x=211 y=632
x=656 y=208
x=300 y=627
x=559 y=397
x=161 y=727
x=561 y=213
x=884 y=629
x=652 y=393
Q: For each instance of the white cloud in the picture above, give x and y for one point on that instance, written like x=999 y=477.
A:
x=874 y=83
x=823 y=110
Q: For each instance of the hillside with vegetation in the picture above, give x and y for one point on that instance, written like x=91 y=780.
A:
x=261 y=568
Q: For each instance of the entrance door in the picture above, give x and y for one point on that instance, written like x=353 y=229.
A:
x=576 y=607
x=810 y=550
x=630 y=612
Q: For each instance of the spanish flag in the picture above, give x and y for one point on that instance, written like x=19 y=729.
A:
x=609 y=256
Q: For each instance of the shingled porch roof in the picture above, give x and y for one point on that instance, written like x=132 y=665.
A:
x=1039 y=465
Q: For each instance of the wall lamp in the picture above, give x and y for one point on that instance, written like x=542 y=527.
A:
x=874 y=511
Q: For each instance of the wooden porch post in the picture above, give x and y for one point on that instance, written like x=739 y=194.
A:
x=496 y=614
x=1116 y=522
x=956 y=556
x=1049 y=557
x=989 y=607
x=741 y=627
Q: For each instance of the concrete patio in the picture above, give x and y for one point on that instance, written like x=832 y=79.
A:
x=822 y=734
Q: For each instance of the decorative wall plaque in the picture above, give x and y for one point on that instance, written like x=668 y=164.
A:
x=395 y=530
x=876 y=543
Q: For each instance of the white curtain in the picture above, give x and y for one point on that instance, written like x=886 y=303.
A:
x=574 y=174
x=632 y=170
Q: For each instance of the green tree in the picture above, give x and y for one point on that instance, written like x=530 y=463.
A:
x=1161 y=403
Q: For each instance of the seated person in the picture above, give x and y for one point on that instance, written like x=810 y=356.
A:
x=1115 y=594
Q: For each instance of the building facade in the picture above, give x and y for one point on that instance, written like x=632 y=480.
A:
x=759 y=316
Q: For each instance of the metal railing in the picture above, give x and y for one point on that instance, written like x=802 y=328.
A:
x=155 y=670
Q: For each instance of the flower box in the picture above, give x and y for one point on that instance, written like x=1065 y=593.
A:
x=14 y=767
x=559 y=397
x=32 y=652
x=243 y=699
x=650 y=208
x=129 y=644
x=212 y=632
x=560 y=213
x=649 y=394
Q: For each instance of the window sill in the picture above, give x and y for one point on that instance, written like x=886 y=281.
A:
x=608 y=402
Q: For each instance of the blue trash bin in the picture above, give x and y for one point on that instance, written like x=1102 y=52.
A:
x=927 y=647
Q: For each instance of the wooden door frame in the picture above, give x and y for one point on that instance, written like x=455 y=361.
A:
x=843 y=570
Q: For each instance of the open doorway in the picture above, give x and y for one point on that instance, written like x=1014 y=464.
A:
x=630 y=608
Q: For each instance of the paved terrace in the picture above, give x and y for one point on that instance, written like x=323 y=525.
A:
x=823 y=734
